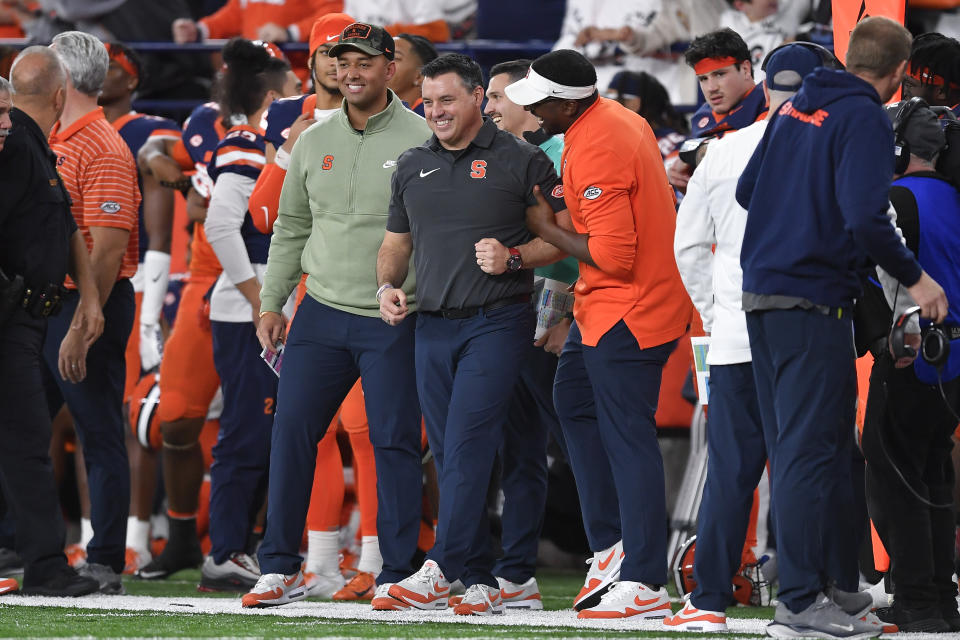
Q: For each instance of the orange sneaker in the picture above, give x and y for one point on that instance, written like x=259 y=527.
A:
x=426 y=589
x=630 y=600
x=76 y=555
x=135 y=559
x=8 y=585
x=480 y=600
x=604 y=571
x=383 y=601
x=274 y=589
x=360 y=587
x=690 y=618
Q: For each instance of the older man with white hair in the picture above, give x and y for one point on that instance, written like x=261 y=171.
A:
x=39 y=245
x=100 y=175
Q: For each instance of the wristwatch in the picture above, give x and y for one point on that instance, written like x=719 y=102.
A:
x=515 y=261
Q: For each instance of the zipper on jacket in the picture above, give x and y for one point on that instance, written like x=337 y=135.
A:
x=353 y=173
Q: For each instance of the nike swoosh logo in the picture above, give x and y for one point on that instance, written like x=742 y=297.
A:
x=603 y=564
x=440 y=589
x=329 y=38
x=424 y=175
x=845 y=627
x=157 y=279
x=506 y=595
x=645 y=603
x=291 y=581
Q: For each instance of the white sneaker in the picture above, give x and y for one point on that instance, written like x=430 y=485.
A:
x=239 y=573
x=690 y=618
x=520 y=596
x=480 y=600
x=426 y=589
x=383 y=601
x=604 y=571
x=323 y=585
x=630 y=600
x=274 y=589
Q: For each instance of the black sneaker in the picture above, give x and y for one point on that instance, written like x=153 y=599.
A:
x=951 y=616
x=926 y=620
x=10 y=564
x=65 y=584
x=108 y=579
x=169 y=562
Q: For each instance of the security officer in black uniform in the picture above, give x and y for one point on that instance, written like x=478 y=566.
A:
x=39 y=245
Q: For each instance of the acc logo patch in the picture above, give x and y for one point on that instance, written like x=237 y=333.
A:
x=196 y=140
x=285 y=133
x=110 y=206
x=557 y=191
x=592 y=193
x=704 y=121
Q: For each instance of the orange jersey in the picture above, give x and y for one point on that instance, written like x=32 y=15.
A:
x=617 y=192
x=100 y=175
x=203 y=261
x=245 y=17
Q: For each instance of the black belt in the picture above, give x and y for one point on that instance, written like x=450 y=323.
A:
x=469 y=312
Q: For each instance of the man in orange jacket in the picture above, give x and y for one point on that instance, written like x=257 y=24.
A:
x=630 y=309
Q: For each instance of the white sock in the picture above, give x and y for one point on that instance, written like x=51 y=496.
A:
x=323 y=552
x=86 y=532
x=138 y=534
x=370 y=559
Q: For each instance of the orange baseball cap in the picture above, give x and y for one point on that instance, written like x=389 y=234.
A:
x=328 y=29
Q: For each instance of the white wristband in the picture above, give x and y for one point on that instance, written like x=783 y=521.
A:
x=282 y=158
x=383 y=288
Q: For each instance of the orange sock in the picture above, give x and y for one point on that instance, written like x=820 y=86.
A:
x=353 y=416
x=748 y=556
x=326 y=496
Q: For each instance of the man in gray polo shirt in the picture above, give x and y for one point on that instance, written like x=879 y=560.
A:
x=468 y=183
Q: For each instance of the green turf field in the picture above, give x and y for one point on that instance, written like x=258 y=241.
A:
x=115 y=620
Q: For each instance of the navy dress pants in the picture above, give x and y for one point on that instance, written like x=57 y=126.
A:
x=326 y=351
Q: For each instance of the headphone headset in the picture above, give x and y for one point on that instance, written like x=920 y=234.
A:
x=827 y=59
x=901 y=147
x=934 y=344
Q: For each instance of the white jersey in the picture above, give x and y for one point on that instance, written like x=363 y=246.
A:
x=386 y=13
x=710 y=215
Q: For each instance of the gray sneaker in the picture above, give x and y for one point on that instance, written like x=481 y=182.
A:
x=240 y=573
x=822 y=619
x=855 y=603
x=109 y=580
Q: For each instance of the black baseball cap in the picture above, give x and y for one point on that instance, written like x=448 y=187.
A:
x=368 y=38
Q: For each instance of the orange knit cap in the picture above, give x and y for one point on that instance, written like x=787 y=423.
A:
x=327 y=29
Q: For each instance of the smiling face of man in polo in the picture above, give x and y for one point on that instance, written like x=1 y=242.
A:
x=452 y=111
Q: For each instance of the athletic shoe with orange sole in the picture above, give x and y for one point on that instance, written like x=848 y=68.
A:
x=383 y=601
x=8 y=585
x=426 y=589
x=480 y=600
x=360 y=587
x=630 y=600
x=604 y=571
x=274 y=589
x=690 y=618
x=521 y=596
x=886 y=627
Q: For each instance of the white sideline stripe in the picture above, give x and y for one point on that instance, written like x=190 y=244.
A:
x=560 y=620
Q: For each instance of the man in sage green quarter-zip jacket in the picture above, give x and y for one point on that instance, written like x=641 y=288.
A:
x=331 y=220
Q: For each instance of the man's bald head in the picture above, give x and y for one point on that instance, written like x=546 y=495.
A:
x=37 y=73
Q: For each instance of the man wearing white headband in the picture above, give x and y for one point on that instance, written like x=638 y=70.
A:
x=630 y=310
